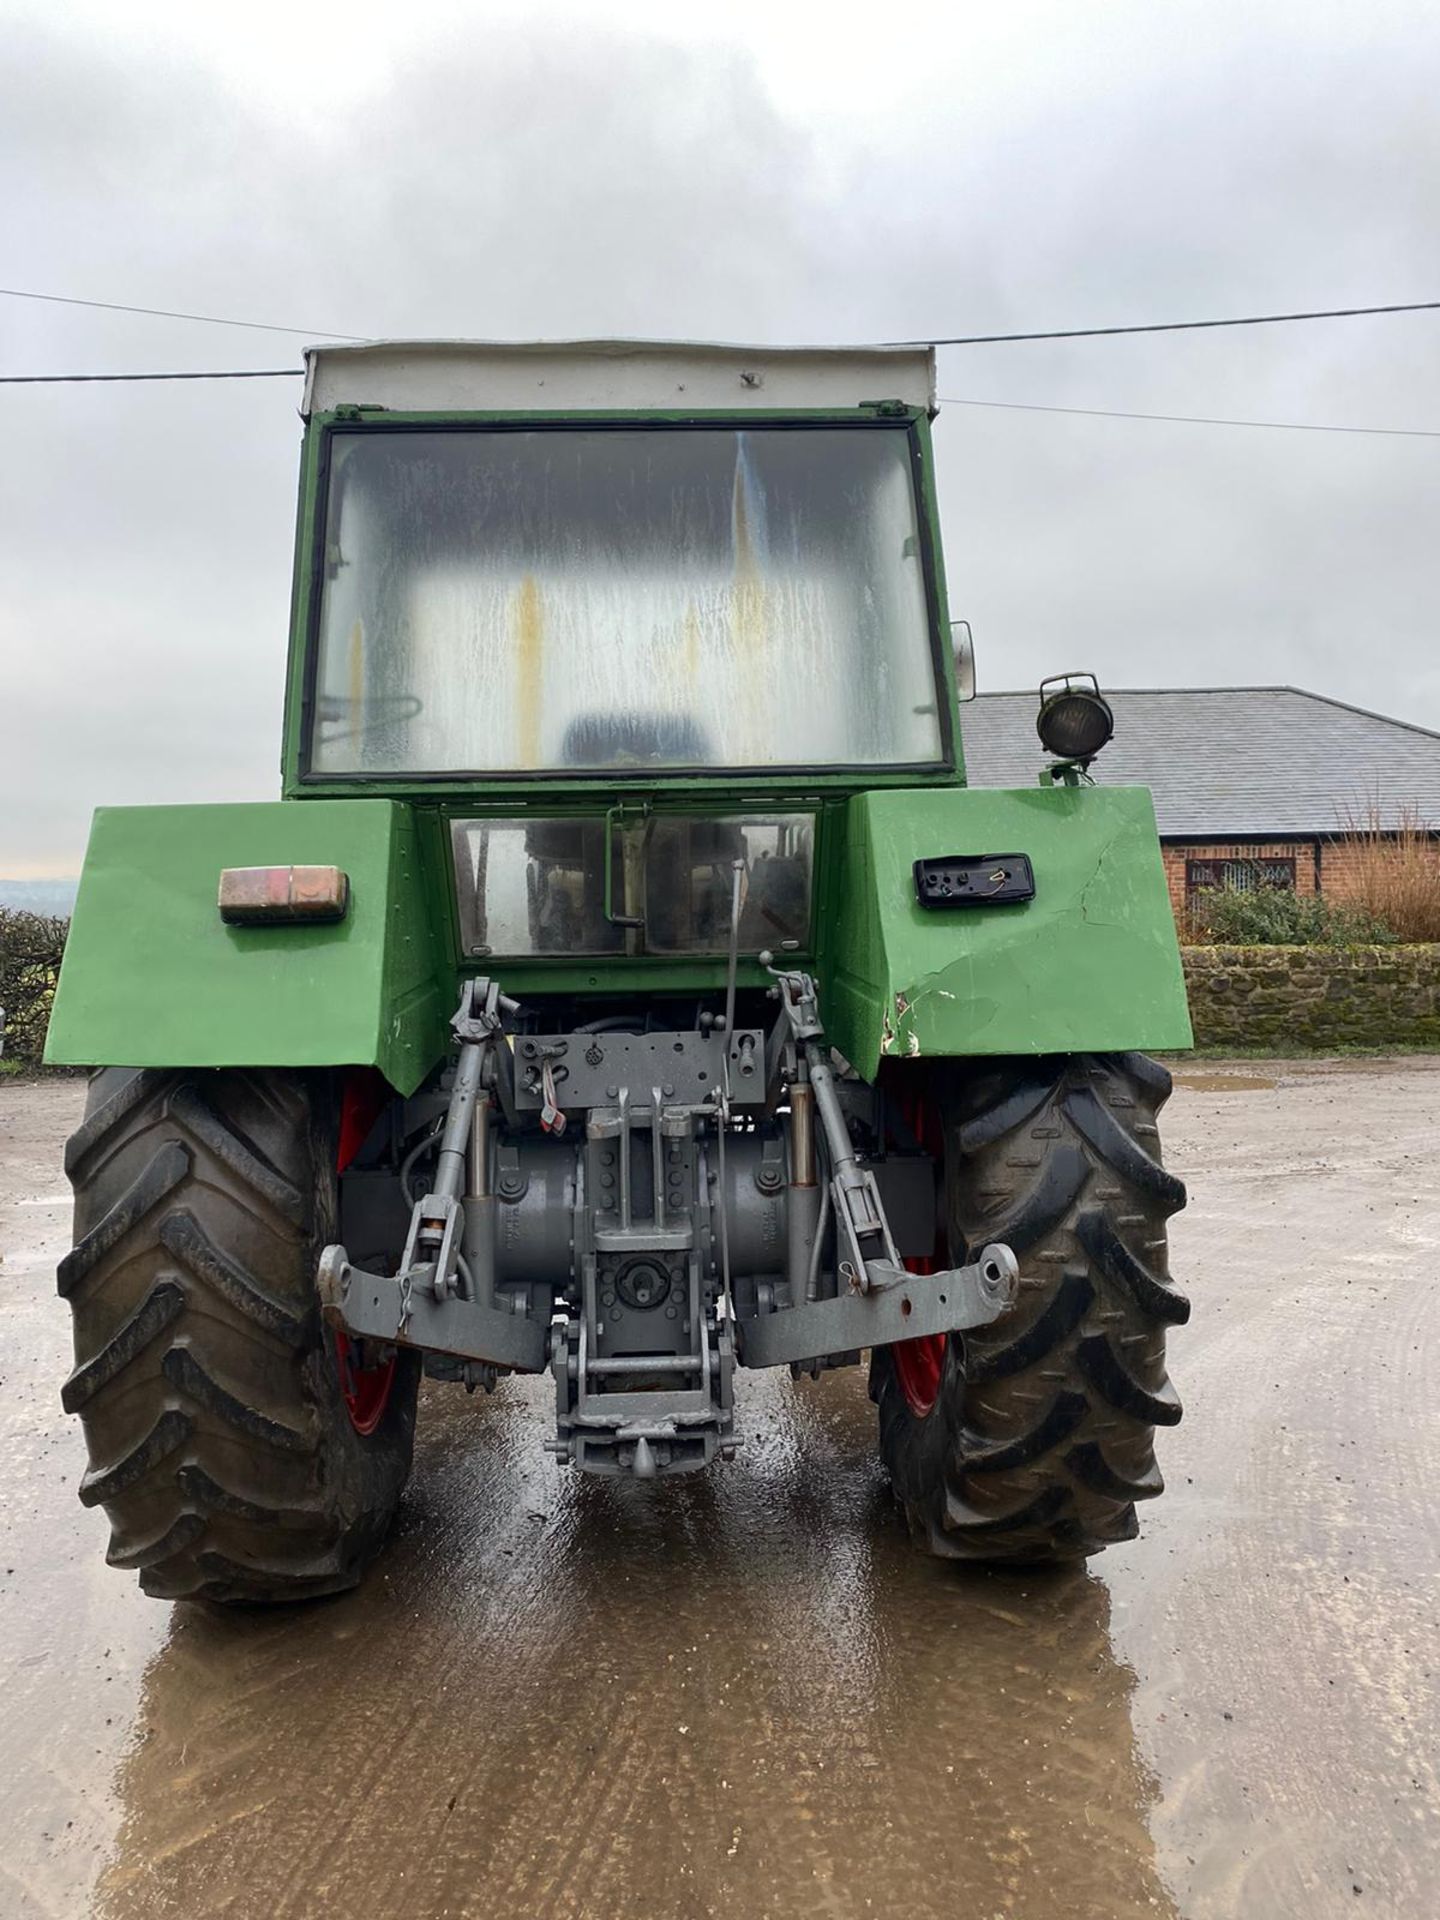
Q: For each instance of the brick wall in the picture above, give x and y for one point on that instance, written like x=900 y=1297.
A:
x=1302 y=852
x=1339 y=862
x=1314 y=999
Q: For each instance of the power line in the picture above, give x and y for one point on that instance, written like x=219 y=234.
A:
x=70 y=379
x=1193 y=419
x=165 y=313
x=953 y=340
x=1168 y=326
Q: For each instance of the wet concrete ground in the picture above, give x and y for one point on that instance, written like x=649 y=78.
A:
x=745 y=1694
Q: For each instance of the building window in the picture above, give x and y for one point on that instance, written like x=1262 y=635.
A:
x=1239 y=876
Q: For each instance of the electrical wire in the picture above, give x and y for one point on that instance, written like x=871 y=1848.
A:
x=69 y=379
x=1167 y=326
x=950 y=340
x=407 y=1165
x=817 y=1245
x=954 y=340
x=1193 y=419
x=462 y=1267
x=166 y=313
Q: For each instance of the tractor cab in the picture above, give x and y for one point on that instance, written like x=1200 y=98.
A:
x=618 y=562
x=663 y=575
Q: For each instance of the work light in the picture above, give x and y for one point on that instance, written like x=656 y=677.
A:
x=1075 y=720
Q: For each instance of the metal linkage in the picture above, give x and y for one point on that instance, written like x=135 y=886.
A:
x=925 y=1304
x=645 y=1223
x=643 y=1413
x=869 y=1260
x=431 y=1302
x=588 y=1069
x=373 y=1306
x=643 y=1370
x=432 y=1247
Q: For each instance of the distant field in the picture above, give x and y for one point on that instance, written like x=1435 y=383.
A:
x=39 y=896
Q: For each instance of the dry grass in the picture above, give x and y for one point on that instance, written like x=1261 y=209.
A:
x=1395 y=869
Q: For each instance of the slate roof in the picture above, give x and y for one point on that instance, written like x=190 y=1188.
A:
x=1223 y=761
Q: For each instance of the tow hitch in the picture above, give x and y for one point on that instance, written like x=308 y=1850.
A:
x=673 y=1230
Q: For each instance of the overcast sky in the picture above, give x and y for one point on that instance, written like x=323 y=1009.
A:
x=720 y=172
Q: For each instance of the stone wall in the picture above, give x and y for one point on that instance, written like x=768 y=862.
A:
x=1314 y=999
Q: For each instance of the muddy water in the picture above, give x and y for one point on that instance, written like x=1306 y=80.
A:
x=745 y=1694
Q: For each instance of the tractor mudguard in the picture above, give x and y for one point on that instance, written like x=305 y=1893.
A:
x=153 y=977
x=1090 y=964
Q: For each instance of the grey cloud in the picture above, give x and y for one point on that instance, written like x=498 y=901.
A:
x=551 y=180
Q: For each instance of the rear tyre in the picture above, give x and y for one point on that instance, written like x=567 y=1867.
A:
x=1032 y=1439
x=219 y=1416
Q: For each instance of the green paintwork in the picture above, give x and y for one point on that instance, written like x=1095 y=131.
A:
x=152 y=976
x=1091 y=964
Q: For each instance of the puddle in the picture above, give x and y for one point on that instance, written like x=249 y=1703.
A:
x=740 y=1694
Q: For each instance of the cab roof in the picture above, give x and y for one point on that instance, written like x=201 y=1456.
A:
x=580 y=376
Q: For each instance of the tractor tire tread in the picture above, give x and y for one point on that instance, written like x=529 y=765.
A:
x=200 y=1120
x=101 y=1485
x=182 y=1532
x=213 y=1497
x=188 y=1241
x=158 y=1177
x=1041 y=1440
x=184 y=1372
x=219 y=1442
x=1061 y=1315
x=158 y=1310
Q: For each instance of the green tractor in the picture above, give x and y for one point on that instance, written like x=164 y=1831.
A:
x=627 y=986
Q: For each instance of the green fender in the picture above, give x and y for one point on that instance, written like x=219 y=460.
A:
x=1091 y=964
x=153 y=977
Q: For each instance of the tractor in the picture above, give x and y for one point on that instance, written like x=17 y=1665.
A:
x=627 y=987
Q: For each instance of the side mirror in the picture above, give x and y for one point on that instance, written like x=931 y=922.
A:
x=962 y=643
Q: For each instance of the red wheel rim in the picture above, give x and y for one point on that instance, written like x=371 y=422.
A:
x=365 y=1390
x=920 y=1364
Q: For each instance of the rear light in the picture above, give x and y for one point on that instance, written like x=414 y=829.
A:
x=283 y=896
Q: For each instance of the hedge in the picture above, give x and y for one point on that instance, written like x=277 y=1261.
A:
x=31 y=946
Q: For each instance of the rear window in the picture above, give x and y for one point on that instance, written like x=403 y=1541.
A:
x=538 y=886
x=557 y=599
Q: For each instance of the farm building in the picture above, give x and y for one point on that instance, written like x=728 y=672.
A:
x=1253 y=786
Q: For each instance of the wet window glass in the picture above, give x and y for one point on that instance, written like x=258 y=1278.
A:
x=537 y=886
x=557 y=599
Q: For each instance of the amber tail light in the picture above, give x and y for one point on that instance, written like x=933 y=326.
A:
x=283 y=896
